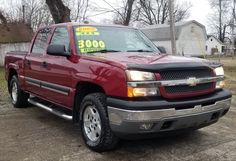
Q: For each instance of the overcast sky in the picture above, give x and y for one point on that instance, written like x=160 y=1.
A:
x=200 y=9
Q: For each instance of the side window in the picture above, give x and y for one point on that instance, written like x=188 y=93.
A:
x=40 y=42
x=61 y=37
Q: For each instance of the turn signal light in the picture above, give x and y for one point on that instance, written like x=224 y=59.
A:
x=142 y=92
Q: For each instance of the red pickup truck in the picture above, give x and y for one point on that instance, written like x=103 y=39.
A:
x=115 y=83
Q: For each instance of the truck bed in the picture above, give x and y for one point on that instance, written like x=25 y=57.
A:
x=14 y=58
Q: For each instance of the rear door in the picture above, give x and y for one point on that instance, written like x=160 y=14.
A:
x=56 y=79
x=34 y=61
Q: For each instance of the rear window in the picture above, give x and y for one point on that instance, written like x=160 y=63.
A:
x=40 y=43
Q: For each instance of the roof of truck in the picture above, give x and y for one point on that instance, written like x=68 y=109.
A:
x=89 y=24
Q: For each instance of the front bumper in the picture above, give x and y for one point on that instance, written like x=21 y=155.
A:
x=126 y=121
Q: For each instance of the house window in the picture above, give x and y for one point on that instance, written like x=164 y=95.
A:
x=206 y=47
x=211 y=39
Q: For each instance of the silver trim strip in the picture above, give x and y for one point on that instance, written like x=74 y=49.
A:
x=117 y=116
x=48 y=86
x=51 y=110
x=22 y=77
x=177 y=82
x=32 y=83
x=54 y=90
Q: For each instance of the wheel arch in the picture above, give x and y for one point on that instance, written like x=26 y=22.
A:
x=84 y=88
x=11 y=73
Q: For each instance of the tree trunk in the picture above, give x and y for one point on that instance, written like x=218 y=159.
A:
x=128 y=12
x=4 y=21
x=59 y=11
x=3 y=18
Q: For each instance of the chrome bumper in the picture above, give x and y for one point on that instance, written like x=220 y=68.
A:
x=119 y=116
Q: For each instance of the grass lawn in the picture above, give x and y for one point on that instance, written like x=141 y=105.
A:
x=3 y=86
x=230 y=71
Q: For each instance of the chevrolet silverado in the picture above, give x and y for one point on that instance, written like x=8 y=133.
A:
x=115 y=83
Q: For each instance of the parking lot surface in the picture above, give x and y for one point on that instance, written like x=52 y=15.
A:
x=32 y=134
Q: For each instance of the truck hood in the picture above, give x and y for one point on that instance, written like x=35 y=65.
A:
x=144 y=58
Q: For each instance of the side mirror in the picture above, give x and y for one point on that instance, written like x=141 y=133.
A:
x=162 y=49
x=57 y=50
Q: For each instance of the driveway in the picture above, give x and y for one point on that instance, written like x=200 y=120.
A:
x=32 y=134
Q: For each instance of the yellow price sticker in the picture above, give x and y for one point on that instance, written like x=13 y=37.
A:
x=87 y=33
x=86 y=29
x=91 y=45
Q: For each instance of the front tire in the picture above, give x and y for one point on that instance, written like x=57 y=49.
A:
x=94 y=122
x=18 y=97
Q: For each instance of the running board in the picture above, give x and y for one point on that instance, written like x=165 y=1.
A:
x=51 y=110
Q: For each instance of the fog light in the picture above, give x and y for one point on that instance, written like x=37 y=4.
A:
x=146 y=126
x=220 y=84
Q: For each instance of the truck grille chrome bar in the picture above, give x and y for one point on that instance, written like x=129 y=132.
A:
x=189 y=82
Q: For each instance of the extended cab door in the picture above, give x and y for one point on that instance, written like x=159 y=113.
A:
x=34 y=62
x=56 y=74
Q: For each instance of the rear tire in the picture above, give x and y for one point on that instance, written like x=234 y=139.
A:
x=94 y=123
x=19 y=98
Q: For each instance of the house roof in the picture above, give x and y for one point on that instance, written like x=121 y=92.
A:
x=209 y=36
x=162 y=32
x=15 y=33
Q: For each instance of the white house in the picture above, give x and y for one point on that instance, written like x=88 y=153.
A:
x=214 y=45
x=190 y=37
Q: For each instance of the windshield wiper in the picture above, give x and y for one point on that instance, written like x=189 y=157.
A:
x=140 y=50
x=104 y=51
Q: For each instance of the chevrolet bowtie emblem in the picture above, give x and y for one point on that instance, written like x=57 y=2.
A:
x=192 y=81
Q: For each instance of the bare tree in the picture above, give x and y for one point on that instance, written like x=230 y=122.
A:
x=79 y=9
x=59 y=11
x=157 y=11
x=3 y=18
x=220 y=20
x=36 y=13
x=125 y=13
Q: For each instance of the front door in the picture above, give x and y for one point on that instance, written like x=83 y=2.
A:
x=56 y=80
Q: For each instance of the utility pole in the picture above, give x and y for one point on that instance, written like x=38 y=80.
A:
x=172 y=27
x=23 y=10
x=233 y=26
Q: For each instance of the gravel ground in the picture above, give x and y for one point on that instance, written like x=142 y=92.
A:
x=32 y=134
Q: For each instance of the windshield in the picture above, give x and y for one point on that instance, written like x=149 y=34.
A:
x=93 y=39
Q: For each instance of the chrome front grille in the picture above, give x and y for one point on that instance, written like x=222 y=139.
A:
x=177 y=91
x=185 y=74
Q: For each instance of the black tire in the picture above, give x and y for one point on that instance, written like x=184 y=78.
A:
x=107 y=140
x=21 y=99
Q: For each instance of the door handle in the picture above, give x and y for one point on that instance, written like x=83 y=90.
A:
x=45 y=64
x=28 y=62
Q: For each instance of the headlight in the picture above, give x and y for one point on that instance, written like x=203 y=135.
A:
x=133 y=75
x=220 y=72
x=145 y=90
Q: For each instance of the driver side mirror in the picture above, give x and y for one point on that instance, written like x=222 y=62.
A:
x=162 y=49
x=57 y=50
